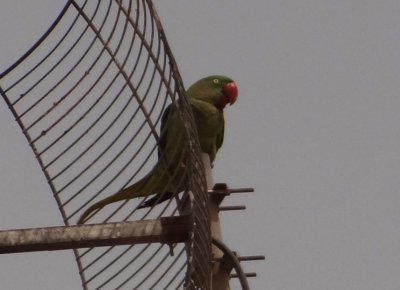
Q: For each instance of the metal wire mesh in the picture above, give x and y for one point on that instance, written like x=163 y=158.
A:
x=89 y=97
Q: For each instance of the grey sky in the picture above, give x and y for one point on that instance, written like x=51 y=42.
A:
x=315 y=131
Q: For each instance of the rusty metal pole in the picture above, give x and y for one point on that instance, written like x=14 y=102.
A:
x=220 y=271
x=167 y=230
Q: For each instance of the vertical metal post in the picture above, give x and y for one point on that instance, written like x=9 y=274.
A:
x=220 y=273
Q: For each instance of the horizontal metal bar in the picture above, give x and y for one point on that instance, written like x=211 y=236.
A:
x=164 y=230
x=244 y=258
x=251 y=258
x=241 y=190
x=232 y=207
x=246 y=274
x=222 y=189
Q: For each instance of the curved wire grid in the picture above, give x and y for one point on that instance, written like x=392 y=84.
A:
x=89 y=97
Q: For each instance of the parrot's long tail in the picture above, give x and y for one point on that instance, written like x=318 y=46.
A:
x=159 y=198
x=127 y=193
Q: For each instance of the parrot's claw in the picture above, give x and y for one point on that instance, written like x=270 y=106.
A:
x=171 y=249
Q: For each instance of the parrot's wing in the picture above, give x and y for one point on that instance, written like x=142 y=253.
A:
x=163 y=130
x=220 y=136
x=161 y=197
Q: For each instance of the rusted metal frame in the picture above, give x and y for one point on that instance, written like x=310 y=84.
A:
x=72 y=25
x=85 y=94
x=163 y=230
x=111 y=61
x=120 y=9
x=120 y=69
x=148 y=48
x=60 y=81
x=41 y=39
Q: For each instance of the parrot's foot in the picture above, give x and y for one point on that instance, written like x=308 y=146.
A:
x=171 y=249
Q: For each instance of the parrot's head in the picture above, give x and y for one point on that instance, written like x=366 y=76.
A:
x=217 y=90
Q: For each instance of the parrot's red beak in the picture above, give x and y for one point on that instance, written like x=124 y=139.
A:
x=230 y=91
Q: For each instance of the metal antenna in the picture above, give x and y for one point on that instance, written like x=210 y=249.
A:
x=89 y=97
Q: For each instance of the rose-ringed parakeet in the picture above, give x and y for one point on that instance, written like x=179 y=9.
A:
x=207 y=98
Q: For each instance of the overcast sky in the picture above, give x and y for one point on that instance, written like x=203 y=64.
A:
x=315 y=131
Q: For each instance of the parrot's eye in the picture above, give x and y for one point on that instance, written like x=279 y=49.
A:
x=216 y=81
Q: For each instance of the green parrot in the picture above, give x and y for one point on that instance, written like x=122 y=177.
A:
x=207 y=98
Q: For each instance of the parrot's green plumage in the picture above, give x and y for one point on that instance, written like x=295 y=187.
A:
x=207 y=98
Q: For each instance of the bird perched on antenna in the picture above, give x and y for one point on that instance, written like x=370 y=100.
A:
x=207 y=98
